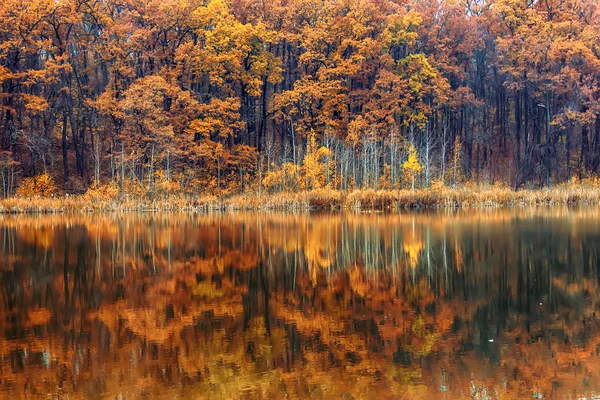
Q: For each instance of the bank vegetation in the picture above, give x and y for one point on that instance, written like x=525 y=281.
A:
x=107 y=198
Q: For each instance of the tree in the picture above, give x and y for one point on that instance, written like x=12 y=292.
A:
x=456 y=167
x=411 y=166
x=314 y=164
x=109 y=90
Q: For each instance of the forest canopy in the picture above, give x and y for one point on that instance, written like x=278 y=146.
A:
x=196 y=96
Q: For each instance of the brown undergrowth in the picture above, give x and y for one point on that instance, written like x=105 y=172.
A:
x=104 y=199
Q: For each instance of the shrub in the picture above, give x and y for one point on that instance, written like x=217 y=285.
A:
x=40 y=185
x=282 y=178
x=104 y=192
x=325 y=198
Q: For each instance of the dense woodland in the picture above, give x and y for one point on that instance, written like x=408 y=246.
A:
x=196 y=96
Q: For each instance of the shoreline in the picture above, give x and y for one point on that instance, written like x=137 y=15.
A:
x=315 y=200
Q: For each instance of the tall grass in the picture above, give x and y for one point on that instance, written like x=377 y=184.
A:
x=323 y=199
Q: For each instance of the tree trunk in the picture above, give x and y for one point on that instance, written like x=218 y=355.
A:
x=64 y=147
x=518 y=126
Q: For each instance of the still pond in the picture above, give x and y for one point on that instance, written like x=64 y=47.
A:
x=444 y=304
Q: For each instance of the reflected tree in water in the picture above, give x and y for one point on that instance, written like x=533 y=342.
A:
x=497 y=304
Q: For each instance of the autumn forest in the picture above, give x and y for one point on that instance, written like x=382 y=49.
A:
x=221 y=97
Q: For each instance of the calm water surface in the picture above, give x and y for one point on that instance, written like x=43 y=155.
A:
x=462 y=304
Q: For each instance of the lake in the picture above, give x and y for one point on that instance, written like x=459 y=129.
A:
x=441 y=304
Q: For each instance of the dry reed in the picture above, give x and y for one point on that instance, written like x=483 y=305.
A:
x=367 y=199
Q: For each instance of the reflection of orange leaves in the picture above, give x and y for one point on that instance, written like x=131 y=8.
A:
x=572 y=288
x=220 y=263
x=319 y=247
x=103 y=228
x=238 y=260
x=109 y=315
x=327 y=326
x=192 y=364
x=569 y=356
x=209 y=290
x=421 y=337
x=317 y=254
x=357 y=281
x=420 y=293
x=406 y=381
x=159 y=289
x=458 y=256
x=444 y=319
x=145 y=323
x=231 y=307
x=390 y=329
x=204 y=266
x=38 y=316
x=45 y=237
x=41 y=236
x=412 y=246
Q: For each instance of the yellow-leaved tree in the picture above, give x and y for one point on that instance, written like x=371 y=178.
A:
x=40 y=185
x=411 y=166
x=315 y=163
x=456 y=170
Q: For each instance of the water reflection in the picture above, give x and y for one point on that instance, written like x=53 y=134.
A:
x=488 y=304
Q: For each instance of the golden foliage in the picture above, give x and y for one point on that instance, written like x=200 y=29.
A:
x=282 y=178
x=411 y=166
x=41 y=185
x=315 y=165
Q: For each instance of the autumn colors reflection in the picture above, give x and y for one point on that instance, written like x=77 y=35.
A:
x=449 y=304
